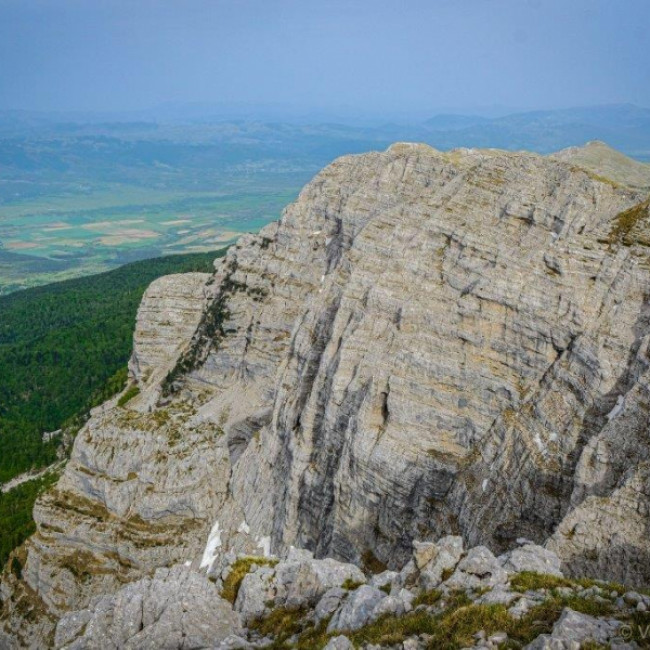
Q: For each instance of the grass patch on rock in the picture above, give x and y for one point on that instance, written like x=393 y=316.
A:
x=129 y=394
x=238 y=571
x=625 y=223
x=427 y=598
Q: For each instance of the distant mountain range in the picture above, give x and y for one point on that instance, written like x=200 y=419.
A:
x=623 y=126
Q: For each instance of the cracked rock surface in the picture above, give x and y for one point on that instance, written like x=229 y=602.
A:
x=425 y=344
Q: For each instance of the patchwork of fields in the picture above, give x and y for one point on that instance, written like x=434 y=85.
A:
x=58 y=237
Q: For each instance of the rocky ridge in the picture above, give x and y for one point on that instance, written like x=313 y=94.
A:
x=426 y=343
x=519 y=599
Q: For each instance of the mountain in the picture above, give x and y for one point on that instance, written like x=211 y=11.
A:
x=450 y=121
x=601 y=159
x=624 y=126
x=426 y=344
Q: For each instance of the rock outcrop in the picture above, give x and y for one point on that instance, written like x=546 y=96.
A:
x=180 y=608
x=176 y=608
x=425 y=344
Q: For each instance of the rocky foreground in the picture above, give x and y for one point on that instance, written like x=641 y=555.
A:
x=445 y=597
x=425 y=344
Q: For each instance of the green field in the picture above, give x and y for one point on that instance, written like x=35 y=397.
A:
x=59 y=237
x=77 y=199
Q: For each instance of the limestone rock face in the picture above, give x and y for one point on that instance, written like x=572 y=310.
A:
x=169 y=314
x=425 y=344
x=177 y=608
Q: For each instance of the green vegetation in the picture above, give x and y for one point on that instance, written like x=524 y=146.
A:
x=283 y=623
x=427 y=598
x=531 y=581
x=16 y=523
x=351 y=584
x=238 y=571
x=64 y=348
x=626 y=222
x=129 y=394
x=456 y=622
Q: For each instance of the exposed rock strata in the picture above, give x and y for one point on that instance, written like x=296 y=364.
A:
x=426 y=343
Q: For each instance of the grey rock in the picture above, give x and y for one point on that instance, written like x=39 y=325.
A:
x=413 y=643
x=234 y=642
x=521 y=607
x=357 y=610
x=531 y=557
x=423 y=553
x=397 y=605
x=383 y=579
x=632 y=597
x=255 y=590
x=408 y=576
x=176 y=608
x=498 y=596
x=478 y=569
x=292 y=583
x=71 y=626
x=299 y=555
x=329 y=603
x=339 y=643
x=573 y=629
x=306 y=582
x=444 y=556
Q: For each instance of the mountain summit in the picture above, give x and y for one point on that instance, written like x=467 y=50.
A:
x=425 y=344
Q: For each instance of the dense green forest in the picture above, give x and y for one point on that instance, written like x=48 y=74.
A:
x=16 y=522
x=60 y=345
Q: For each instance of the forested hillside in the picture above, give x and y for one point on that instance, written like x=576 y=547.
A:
x=59 y=346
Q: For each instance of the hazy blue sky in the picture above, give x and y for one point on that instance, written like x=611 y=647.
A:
x=380 y=55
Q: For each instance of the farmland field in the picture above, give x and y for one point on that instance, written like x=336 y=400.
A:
x=53 y=238
x=79 y=199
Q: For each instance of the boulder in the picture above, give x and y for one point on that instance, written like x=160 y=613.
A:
x=531 y=557
x=478 y=569
x=255 y=591
x=357 y=610
x=339 y=643
x=329 y=603
x=446 y=554
x=573 y=629
x=305 y=583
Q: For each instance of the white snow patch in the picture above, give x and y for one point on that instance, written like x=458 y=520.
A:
x=540 y=444
x=214 y=542
x=618 y=409
x=265 y=545
x=485 y=484
x=244 y=528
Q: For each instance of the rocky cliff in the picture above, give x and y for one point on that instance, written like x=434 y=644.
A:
x=426 y=343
